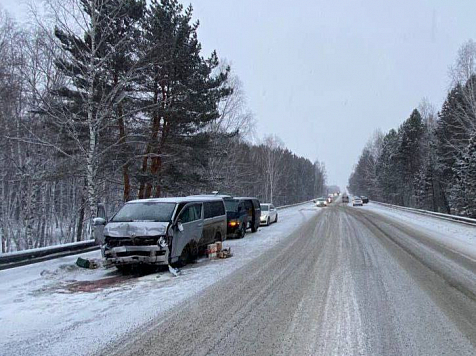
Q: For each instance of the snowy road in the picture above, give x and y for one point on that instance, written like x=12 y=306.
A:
x=349 y=281
x=55 y=308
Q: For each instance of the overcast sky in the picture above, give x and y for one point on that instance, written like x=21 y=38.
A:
x=324 y=75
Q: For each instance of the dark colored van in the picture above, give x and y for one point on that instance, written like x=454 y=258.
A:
x=237 y=218
x=253 y=210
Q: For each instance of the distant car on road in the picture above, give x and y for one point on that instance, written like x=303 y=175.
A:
x=269 y=214
x=345 y=199
x=365 y=200
x=321 y=202
x=357 y=201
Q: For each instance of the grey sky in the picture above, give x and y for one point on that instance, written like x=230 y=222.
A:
x=323 y=75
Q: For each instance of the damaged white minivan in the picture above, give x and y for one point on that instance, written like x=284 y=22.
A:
x=161 y=231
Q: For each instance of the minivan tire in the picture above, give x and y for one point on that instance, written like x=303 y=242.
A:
x=189 y=254
x=184 y=258
x=124 y=269
x=276 y=220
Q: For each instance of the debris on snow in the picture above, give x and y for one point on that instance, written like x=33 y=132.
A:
x=87 y=263
x=225 y=253
x=175 y=271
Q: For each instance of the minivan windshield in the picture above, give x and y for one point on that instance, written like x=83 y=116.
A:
x=264 y=207
x=146 y=211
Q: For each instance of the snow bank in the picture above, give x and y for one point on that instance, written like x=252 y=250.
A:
x=53 y=306
x=456 y=236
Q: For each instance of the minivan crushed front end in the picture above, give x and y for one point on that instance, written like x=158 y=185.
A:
x=129 y=243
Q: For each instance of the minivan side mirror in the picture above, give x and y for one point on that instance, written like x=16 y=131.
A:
x=99 y=221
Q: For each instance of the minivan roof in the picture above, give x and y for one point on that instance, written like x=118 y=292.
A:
x=221 y=196
x=177 y=199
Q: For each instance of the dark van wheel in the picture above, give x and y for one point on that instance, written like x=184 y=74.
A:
x=242 y=231
x=218 y=237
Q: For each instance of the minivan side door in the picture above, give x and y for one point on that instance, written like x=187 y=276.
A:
x=257 y=214
x=214 y=220
x=191 y=220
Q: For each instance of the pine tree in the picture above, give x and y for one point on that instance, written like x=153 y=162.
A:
x=387 y=168
x=464 y=188
x=409 y=155
x=181 y=93
x=96 y=67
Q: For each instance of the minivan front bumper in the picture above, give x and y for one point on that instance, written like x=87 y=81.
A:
x=125 y=255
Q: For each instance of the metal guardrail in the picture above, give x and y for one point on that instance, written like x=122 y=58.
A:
x=292 y=205
x=449 y=217
x=21 y=258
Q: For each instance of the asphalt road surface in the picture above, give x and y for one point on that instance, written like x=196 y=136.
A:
x=349 y=282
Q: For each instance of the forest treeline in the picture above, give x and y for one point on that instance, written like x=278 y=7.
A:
x=104 y=101
x=429 y=162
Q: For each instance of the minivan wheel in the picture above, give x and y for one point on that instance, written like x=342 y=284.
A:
x=124 y=269
x=184 y=258
x=276 y=220
x=267 y=221
x=194 y=251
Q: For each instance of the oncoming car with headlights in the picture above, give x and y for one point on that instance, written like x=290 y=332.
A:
x=162 y=231
x=321 y=202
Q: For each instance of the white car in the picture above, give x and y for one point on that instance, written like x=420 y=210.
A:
x=357 y=201
x=269 y=214
x=321 y=202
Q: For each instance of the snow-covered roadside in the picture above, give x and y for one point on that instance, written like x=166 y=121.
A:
x=45 y=311
x=456 y=236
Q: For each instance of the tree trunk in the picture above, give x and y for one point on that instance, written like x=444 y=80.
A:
x=79 y=226
x=122 y=142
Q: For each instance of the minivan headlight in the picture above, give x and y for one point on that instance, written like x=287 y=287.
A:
x=162 y=242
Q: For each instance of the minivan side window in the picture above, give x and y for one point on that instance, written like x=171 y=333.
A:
x=214 y=208
x=219 y=208
x=207 y=210
x=192 y=213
